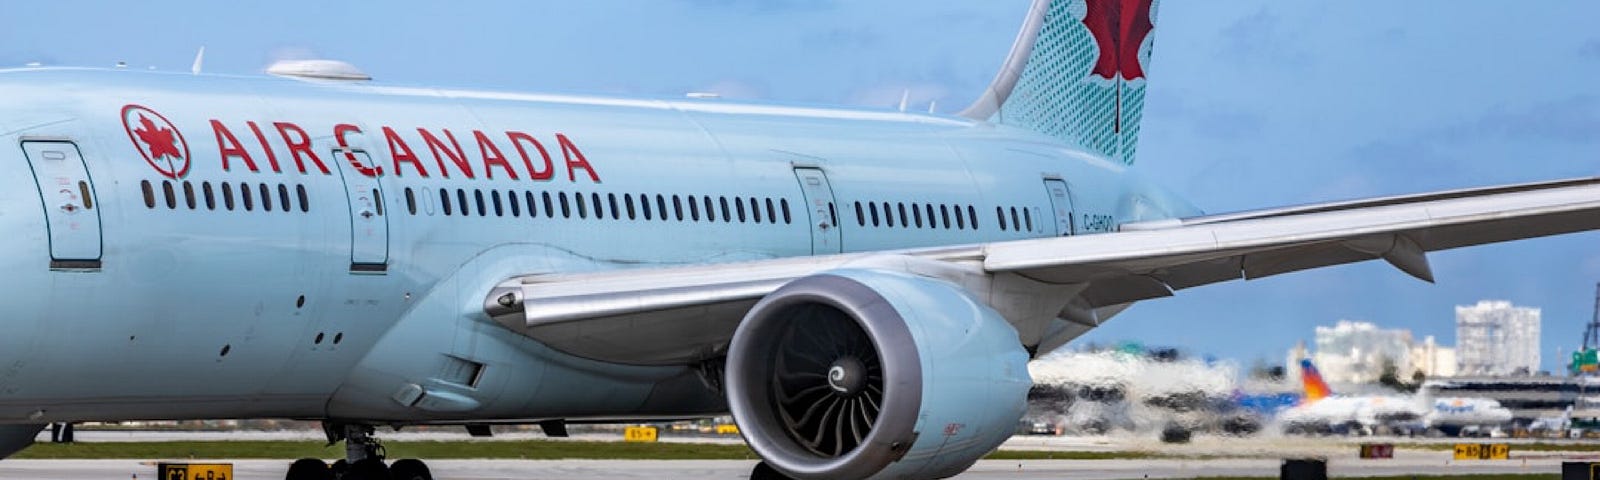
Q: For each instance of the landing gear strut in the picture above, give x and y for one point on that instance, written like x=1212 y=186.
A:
x=363 y=460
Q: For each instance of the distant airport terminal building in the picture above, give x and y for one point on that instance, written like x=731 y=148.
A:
x=1497 y=338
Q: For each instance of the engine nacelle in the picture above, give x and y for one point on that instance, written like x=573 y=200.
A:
x=865 y=373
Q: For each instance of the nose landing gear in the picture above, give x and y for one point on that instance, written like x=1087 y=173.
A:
x=363 y=460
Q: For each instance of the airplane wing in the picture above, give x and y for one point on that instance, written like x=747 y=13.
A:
x=679 y=315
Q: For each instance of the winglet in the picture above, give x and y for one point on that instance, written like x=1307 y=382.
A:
x=199 y=58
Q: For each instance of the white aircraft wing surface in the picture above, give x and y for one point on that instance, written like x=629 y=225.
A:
x=676 y=315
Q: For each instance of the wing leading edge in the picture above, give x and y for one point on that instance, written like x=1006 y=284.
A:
x=685 y=314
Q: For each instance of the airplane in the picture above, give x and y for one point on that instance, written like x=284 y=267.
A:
x=860 y=289
x=1323 y=411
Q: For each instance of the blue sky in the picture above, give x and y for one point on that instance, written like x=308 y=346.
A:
x=1252 y=103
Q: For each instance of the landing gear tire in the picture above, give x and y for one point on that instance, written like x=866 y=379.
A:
x=309 y=469
x=409 y=469
x=367 y=469
x=766 y=472
x=339 y=468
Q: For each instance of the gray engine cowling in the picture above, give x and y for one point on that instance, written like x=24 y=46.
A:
x=867 y=373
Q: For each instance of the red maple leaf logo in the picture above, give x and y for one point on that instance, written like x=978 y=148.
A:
x=1118 y=27
x=161 y=140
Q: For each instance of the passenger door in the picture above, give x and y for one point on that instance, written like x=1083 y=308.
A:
x=70 y=206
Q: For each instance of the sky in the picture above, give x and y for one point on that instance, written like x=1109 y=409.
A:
x=1251 y=104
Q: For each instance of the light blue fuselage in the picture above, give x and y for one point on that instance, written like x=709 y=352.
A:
x=212 y=312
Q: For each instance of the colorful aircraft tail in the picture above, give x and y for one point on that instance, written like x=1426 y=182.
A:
x=1077 y=73
x=1316 y=389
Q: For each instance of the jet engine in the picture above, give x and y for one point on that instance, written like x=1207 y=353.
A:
x=866 y=373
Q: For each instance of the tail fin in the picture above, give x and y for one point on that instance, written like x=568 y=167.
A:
x=1077 y=73
x=1316 y=389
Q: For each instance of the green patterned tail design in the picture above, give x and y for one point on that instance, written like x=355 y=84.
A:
x=1077 y=73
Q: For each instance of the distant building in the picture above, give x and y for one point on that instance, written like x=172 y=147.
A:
x=1356 y=352
x=1431 y=360
x=1497 y=338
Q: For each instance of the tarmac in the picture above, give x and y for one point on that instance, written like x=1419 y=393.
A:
x=1259 y=457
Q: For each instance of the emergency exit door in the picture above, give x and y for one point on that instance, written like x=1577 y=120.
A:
x=70 y=206
x=369 y=226
x=1061 y=205
x=819 y=206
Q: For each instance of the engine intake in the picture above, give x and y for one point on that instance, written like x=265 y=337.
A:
x=861 y=373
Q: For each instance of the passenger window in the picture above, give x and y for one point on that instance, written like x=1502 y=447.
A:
x=755 y=210
x=933 y=219
x=627 y=198
x=616 y=213
x=172 y=198
x=532 y=203
x=888 y=214
x=205 y=190
x=677 y=207
x=188 y=194
x=694 y=209
x=961 y=222
x=461 y=201
x=772 y=216
x=583 y=205
x=494 y=197
x=861 y=216
x=511 y=198
x=149 y=194
x=247 y=197
x=1027 y=217
x=902 y=208
x=411 y=201
x=727 y=214
x=872 y=208
x=549 y=207
x=227 y=196
x=1000 y=212
x=477 y=195
x=283 y=198
x=972 y=213
x=644 y=205
x=738 y=208
x=377 y=201
x=1014 y=220
x=599 y=210
x=661 y=206
x=566 y=208
x=266 y=197
x=305 y=203
x=444 y=201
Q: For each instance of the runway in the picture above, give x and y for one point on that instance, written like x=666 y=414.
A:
x=1431 y=463
x=1206 y=456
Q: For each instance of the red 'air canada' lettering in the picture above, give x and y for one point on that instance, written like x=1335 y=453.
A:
x=492 y=157
x=456 y=156
x=272 y=158
x=537 y=163
x=402 y=153
x=297 y=147
x=228 y=147
x=339 y=132
x=549 y=170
